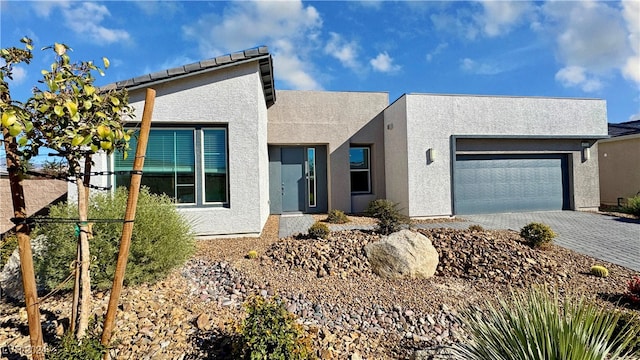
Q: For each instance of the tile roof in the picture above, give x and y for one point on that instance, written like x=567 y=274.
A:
x=625 y=128
x=260 y=54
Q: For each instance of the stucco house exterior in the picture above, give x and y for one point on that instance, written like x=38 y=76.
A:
x=619 y=159
x=231 y=150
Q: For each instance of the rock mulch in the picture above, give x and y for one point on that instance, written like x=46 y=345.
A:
x=350 y=312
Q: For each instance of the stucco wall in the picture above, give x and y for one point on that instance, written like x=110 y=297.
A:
x=432 y=120
x=232 y=97
x=395 y=153
x=619 y=160
x=336 y=119
x=38 y=195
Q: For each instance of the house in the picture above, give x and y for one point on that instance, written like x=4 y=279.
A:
x=619 y=159
x=231 y=150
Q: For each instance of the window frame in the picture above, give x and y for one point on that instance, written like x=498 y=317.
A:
x=367 y=170
x=199 y=173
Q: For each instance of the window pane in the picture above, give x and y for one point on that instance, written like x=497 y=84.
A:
x=360 y=181
x=214 y=146
x=186 y=194
x=359 y=158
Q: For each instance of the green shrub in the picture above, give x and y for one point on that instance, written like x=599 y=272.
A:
x=538 y=235
x=318 y=230
x=476 y=227
x=633 y=206
x=337 y=217
x=271 y=332
x=8 y=244
x=628 y=319
x=161 y=240
x=389 y=217
x=599 y=271
x=536 y=325
x=252 y=254
x=69 y=348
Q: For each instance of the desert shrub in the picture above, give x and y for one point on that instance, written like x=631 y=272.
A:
x=69 y=348
x=628 y=319
x=476 y=227
x=538 y=235
x=633 y=289
x=8 y=244
x=318 y=230
x=388 y=215
x=271 y=332
x=252 y=254
x=337 y=217
x=162 y=240
x=599 y=271
x=633 y=206
x=536 y=325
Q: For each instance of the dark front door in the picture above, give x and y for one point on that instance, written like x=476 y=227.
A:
x=293 y=179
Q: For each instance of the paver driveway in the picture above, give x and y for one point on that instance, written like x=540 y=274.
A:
x=609 y=238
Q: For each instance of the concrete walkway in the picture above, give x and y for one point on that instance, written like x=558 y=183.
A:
x=612 y=239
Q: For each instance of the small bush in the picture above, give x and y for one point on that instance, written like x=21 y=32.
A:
x=161 y=240
x=69 y=348
x=628 y=320
x=632 y=206
x=388 y=215
x=252 y=254
x=599 y=271
x=337 y=217
x=7 y=245
x=538 y=235
x=319 y=231
x=536 y=325
x=633 y=289
x=271 y=332
x=476 y=227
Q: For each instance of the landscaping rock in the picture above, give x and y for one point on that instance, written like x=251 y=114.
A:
x=11 y=277
x=403 y=254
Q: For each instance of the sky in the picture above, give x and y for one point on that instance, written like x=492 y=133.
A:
x=584 y=49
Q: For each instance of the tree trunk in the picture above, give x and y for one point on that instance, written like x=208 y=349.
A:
x=76 y=286
x=85 y=258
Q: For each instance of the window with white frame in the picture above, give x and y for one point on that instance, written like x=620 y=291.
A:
x=359 y=160
x=187 y=164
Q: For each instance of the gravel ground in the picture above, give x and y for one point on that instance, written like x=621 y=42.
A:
x=350 y=312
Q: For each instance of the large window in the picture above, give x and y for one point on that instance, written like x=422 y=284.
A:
x=359 y=161
x=188 y=165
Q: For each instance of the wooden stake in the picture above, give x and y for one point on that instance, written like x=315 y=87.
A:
x=129 y=217
x=24 y=249
x=76 y=286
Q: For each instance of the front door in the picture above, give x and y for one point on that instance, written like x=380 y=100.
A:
x=293 y=179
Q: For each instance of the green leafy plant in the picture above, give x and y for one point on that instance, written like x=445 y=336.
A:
x=633 y=289
x=599 y=271
x=537 y=325
x=161 y=240
x=70 y=348
x=337 y=217
x=8 y=244
x=476 y=228
x=252 y=254
x=319 y=231
x=538 y=235
x=270 y=332
x=632 y=206
x=388 y=215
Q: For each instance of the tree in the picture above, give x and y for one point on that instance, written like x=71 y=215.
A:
x=76 y=119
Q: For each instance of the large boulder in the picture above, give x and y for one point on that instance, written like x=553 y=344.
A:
x=403 y=254
x=11 y=276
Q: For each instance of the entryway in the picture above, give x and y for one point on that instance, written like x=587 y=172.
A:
x=298 y=179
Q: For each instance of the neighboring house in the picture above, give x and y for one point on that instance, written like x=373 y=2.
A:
x=230 y=153
x=619 y=159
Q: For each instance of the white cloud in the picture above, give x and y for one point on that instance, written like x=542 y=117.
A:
x=499 y=17
x=631 y=14
x=474 y=67
x=384 y=63
x=459 y=24
x=437 y=51
x=289 y=28
x=576 y=76
x=345 y=52
x=19 y=75
x=84 y=18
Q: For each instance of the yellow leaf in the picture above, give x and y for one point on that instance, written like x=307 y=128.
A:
x=87 y=104
x=106 y=62
x=77 y=140
x=59 y=49
x=115 y=101
x=72 y=107
x=8 y=119
x=90 y=90
x=58 y=110
x=15 y=129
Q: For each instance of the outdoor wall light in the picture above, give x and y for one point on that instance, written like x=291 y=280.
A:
x=390 y=126
x=586 y=153
x=431 y=155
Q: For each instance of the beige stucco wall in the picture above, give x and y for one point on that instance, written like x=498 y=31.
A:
x=619 y=160
x=233 y=97
x=335 y=119
x=38 y=194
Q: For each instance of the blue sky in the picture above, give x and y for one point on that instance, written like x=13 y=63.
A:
x=558 y=49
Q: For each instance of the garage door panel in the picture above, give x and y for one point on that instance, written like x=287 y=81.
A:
x=511 y=183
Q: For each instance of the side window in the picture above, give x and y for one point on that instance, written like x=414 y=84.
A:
x=359 y=160
x=214 y=148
